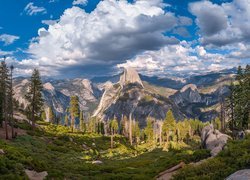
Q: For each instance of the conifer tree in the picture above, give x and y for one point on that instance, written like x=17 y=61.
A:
x=82 y=124
x=113 y=125
x=43 y=116
x=52 y=118
x=74 y=110
x=4 y=95
x=136 y=132
x=238 y=102
x=66 y=120
x=34 y=96
x=149 y=131
x=168 y=125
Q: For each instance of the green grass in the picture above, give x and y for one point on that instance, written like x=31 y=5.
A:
x=70 y=155
x=235 y=157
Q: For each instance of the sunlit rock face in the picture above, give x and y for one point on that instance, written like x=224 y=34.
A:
x=56 y=93
x=188 y=93
x=130 y=76
x=128 y=97
x=213 y=139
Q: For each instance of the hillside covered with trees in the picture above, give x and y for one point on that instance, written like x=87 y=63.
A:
x=78 y=146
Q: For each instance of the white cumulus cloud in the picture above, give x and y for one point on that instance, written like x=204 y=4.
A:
x=80 y=2
x=31 y=9
x=112 y=33
x=8 y=39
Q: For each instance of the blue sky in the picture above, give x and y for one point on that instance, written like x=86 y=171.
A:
x=88 y=38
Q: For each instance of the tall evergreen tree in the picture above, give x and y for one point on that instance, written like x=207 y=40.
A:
x=149 y=130
x=34 y=96
x=113 y=125
x=168 y=125
x=74 y=110
x=82 y=123
x=238 y=102
x=4 y=95
x=66 y=120
x=52 y=117
x=136 y=132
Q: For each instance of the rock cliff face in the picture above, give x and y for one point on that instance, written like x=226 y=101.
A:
x=213 y=139
x=128 y=96
x=130 y=76
x=57 y=93
x=195 y=104
x=188 y=94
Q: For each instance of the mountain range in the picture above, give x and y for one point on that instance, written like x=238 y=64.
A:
x=135 y=95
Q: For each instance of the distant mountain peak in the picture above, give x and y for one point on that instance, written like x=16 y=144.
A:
x=193 y=87
x=48 y=86
x=87 y=84
x=130 y=75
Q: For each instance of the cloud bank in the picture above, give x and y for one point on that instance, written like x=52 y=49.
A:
x=142 y=35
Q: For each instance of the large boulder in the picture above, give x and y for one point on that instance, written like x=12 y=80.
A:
x=213 y=139
x=240 y=175
x=33 y=175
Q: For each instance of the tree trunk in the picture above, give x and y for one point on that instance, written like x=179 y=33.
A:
x=11 y=103
x=33 y=107
x=112 y=140
x=160 y=134
x=130 y=130
x=72 y=124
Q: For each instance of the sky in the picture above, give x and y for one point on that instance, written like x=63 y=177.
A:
x=86 y=38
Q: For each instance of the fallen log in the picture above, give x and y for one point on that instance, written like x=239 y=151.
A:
x=172 y=169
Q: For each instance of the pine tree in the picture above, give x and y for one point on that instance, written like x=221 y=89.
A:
x=52 y=118
x=168 y=125
x=5 y=94
x=34 y=96
x=149 y=131
x=136 y=132
x=74 y=110
x=217 y=123
x=43 y=116
x=82 y=124
x=66 y=120
x=238 y=102
x=113 y=125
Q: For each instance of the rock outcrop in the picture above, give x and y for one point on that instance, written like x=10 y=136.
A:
x=213 y=139
x=33 y=175
x=128 y=96
x=57 y=93
x=240 y=175
x=188 y=94
x=130 y=76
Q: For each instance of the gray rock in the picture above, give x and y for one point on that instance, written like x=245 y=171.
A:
x=2 y=151
x=33 y=175
x=129 y=97
x=240 y=175
x=213 y=139
x=97 y=162
x=130 y=76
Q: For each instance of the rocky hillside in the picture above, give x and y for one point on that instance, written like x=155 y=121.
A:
x=57 y=93
x=199 y=105
x=130 y=95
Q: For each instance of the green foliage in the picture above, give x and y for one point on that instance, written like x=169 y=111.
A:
x=233 y=158
x=51 y=115
x=43 y=116
x=217 y=123
x=149 y=131
x=74 y=110
x=34 y=96
x=169 y=126
x=238 y=102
